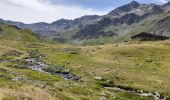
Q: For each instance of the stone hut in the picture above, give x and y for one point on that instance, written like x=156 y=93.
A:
x=0 y=28
x=144 y=36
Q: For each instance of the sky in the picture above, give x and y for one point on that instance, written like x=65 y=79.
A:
x=32 y=11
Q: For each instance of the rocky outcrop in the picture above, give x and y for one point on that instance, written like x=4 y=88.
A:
x=124 y=9
x=97 y=30
x=162 y=27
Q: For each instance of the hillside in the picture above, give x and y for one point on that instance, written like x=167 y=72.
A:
x=48 y=71
x=14 y=33
x=101 y=67
x=37 y=70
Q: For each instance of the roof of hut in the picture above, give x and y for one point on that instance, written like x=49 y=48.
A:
x=148 y=34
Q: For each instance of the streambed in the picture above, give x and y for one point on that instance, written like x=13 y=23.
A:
x=37 y=65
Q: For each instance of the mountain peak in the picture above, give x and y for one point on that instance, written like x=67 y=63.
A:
x=125 y=8
x=61 y=22
x=134 y=3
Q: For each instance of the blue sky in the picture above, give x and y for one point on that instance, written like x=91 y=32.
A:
x=31 y=11
x=103 y=4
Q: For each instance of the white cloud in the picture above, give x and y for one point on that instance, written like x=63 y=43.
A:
x=30 y=11
x=161 y=1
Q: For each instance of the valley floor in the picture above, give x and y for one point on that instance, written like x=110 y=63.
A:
x=141 y=67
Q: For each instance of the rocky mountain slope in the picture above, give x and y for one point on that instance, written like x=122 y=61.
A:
x=58 y=30
x=119 y=23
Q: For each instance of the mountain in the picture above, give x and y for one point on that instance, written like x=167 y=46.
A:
x=166 y=6
x=60 y=30
x=162 y=25
x=124 y=17
x=119 y=23
x=135 y=8
x=97 y=30
x=124 y=9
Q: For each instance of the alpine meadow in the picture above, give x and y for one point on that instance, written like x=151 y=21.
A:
x=121 y=55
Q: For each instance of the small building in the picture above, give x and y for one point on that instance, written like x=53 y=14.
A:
x=144 y=36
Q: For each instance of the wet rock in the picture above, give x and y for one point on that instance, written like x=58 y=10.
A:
x=98 y=78
x=140 y=91
x=18 y=78
x=40 y=86
x=157 y=94
x=103 y=94
x=68 y=76
x=3 y=70
x=102 y=98
x=67 y=71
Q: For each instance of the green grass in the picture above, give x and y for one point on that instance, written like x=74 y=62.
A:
x=135 y=65
x=11 y=33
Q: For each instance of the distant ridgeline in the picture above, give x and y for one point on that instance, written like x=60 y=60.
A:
x=144 y=36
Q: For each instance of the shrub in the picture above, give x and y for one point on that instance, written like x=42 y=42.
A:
x=35 y=54
x=8 y=98
x=53 y=69
x=12 y=53
x=106 y=83
x=0 y=29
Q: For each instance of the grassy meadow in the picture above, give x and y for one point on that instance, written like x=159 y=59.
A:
x=137 y=65
x=131 y=65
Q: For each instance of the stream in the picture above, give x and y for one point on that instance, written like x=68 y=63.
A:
x=38 y=65
x=156 y=95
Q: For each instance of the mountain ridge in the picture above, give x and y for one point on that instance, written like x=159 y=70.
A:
x=94 y=26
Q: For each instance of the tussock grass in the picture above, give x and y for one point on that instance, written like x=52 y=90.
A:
x=141 y=65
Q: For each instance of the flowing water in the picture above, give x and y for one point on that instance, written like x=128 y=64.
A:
x=38 y=65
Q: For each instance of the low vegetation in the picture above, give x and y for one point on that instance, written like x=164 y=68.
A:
x=142 y=65
x=131 y=65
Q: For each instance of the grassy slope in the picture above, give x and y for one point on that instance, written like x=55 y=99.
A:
x=10 y=32
x=142 y=65
x=11 y=41
x=81 y=64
